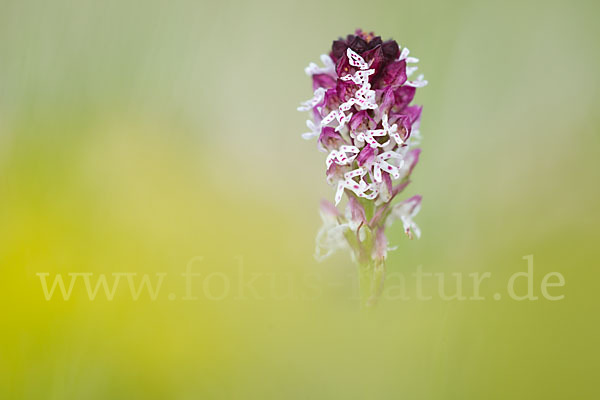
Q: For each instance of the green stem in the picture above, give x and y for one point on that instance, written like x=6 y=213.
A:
x=371 y=275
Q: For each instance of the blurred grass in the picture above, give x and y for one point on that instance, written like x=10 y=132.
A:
x=137 y=135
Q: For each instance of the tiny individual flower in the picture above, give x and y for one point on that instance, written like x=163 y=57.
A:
x=406 y=211
x=361 y=115
x=330 y=237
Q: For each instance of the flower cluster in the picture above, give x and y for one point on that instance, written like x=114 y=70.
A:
x=362 y=117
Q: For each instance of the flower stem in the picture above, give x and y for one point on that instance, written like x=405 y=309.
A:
x=371 y=275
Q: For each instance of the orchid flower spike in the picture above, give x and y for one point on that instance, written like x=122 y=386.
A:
x=361 y=115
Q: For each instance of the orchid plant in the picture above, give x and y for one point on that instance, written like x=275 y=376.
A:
x=361 y=116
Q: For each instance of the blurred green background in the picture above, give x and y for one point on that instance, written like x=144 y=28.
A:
x=135 y=136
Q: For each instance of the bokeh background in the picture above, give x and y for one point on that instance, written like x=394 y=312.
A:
x=136 y=135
